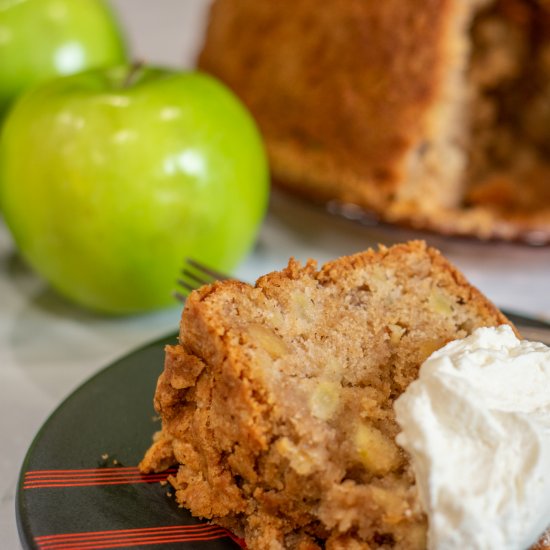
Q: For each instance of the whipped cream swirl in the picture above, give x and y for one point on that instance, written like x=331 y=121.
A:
x=477 y=426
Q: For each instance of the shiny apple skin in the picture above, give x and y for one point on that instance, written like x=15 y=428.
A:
x=41 y=39
x=107 y=186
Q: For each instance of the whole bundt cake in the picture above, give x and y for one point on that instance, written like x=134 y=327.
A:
x=434 y=114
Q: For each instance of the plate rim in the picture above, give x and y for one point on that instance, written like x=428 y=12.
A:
x=23 y=531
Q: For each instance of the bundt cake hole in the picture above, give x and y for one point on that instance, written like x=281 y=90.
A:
x=509 y=75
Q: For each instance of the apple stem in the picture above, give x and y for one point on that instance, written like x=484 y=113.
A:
x=132 y=73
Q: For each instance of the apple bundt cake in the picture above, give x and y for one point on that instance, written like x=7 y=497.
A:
x=277 y=403
x=433 y=114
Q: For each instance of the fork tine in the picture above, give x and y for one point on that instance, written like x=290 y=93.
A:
x=185 y=289
x=194 y=278
x=217 y=275
x=187 y=286
x=180 y=297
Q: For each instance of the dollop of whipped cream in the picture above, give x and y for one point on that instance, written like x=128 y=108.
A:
x=477 y=426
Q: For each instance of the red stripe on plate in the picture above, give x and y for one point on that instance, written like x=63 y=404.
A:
x=94 y=479
x=90 y=483
x=49 y=474
x=89 y=477
x=136 y=541
x=118 y=468
x=135 y=531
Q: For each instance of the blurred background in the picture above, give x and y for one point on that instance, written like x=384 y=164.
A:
x=167 y=32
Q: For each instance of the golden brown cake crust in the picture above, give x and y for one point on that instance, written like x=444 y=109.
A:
x=277 y=402
x=370 y=103
x=328 y=121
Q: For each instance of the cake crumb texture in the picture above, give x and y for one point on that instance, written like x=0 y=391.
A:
x=277 y=404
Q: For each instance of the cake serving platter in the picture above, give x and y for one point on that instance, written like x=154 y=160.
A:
x=79 y=486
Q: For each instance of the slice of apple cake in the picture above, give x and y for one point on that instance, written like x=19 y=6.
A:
x=277 y=404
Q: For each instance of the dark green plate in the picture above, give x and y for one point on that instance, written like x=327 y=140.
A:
x=79 y=487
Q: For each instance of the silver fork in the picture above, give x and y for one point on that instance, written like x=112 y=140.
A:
x=195 y=275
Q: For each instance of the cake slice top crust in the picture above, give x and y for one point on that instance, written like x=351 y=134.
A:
x=278 y=401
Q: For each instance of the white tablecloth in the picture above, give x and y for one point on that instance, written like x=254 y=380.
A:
x=48 y=347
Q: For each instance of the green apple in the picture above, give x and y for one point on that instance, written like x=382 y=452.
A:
x=41 y=39
x=110 y=178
